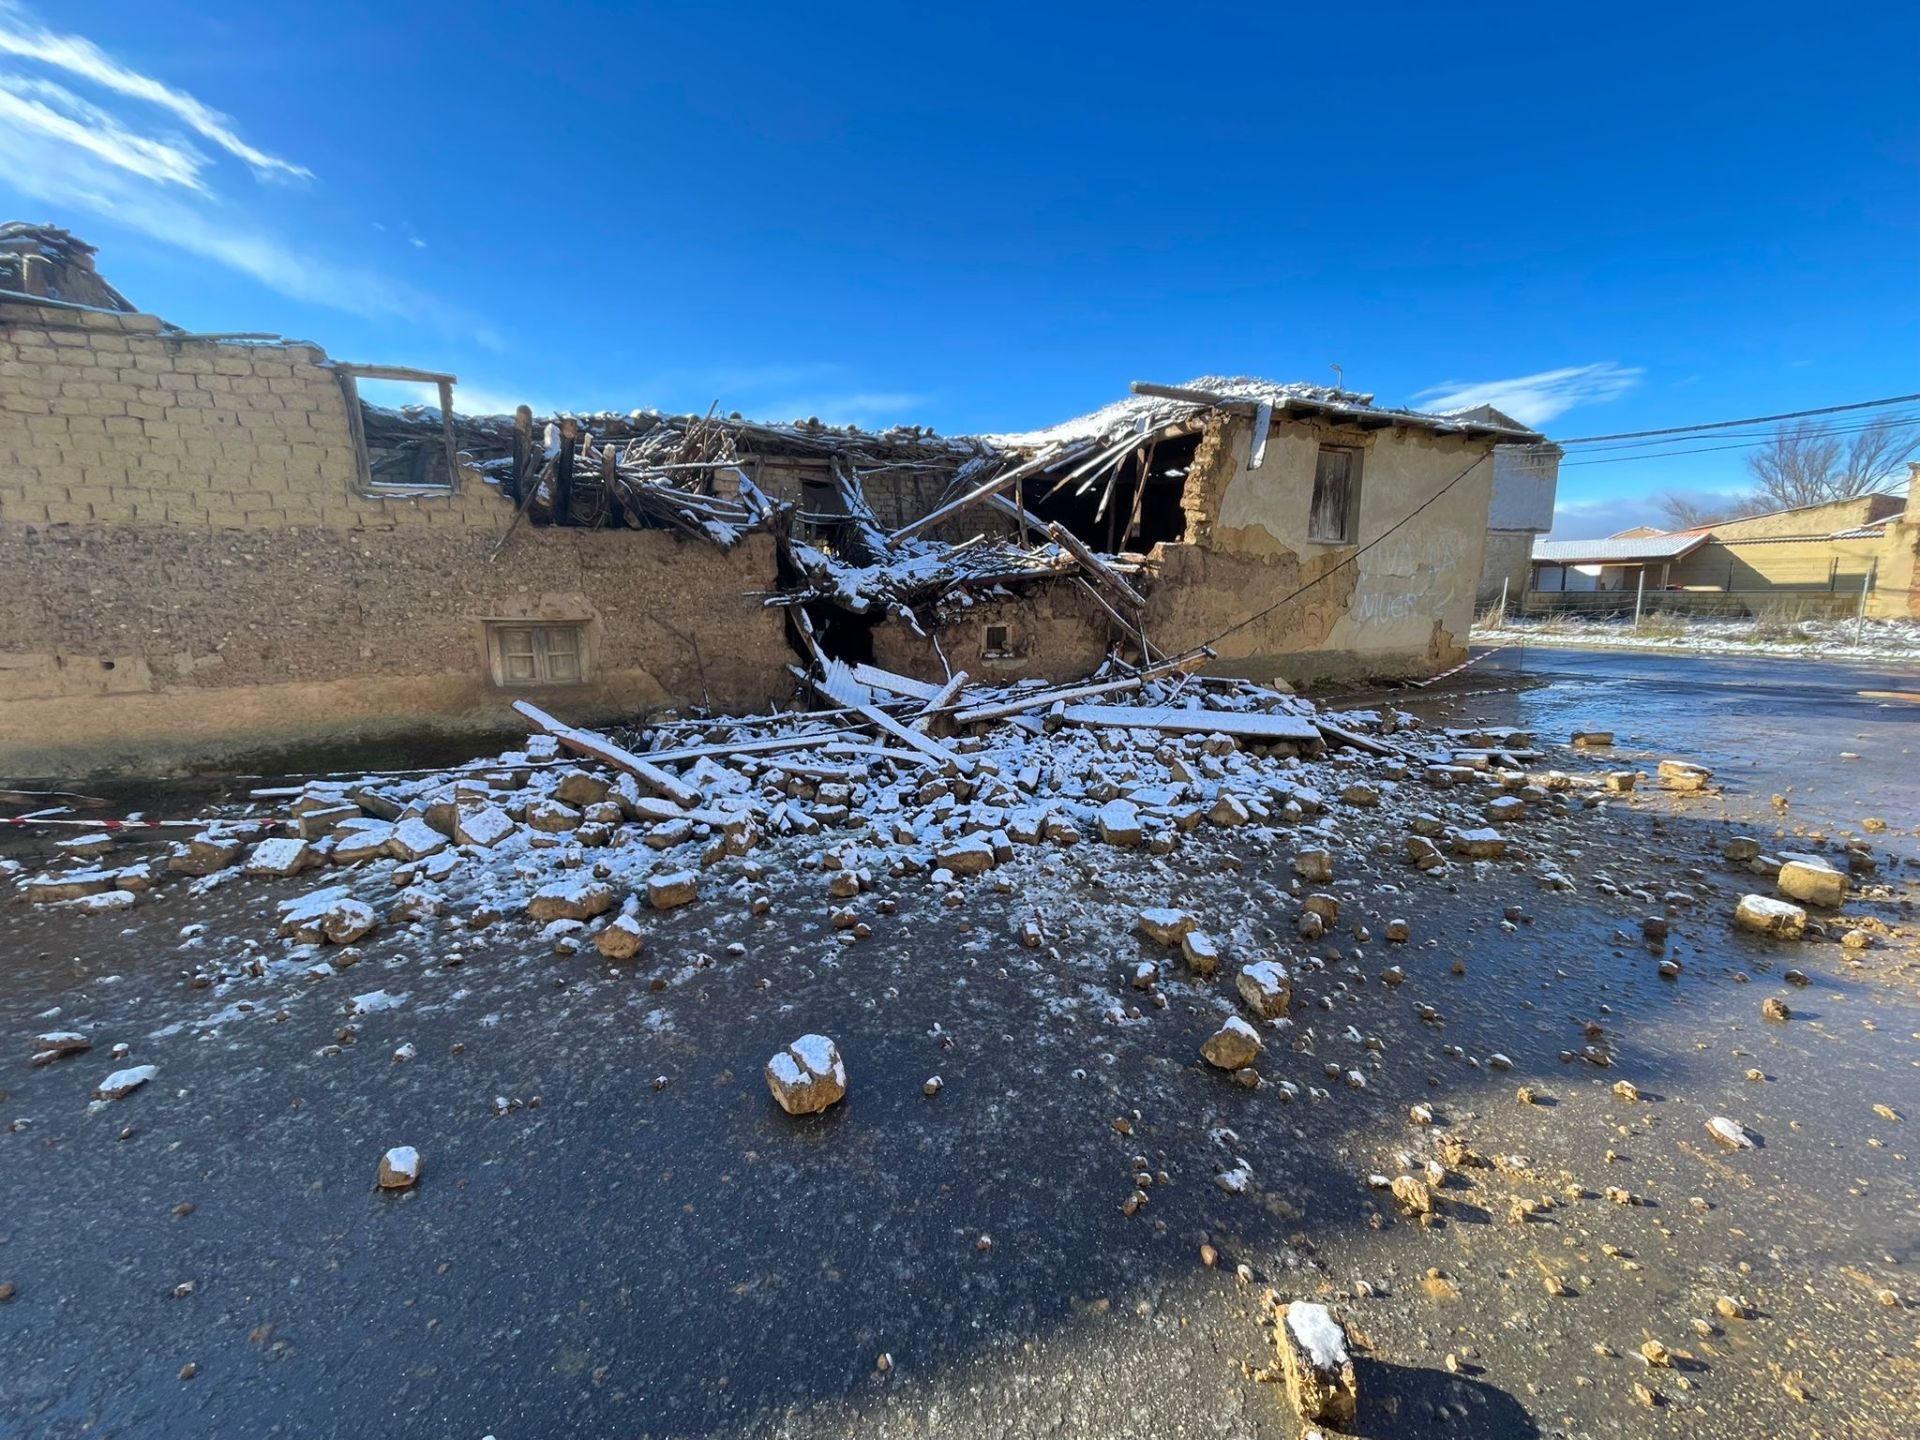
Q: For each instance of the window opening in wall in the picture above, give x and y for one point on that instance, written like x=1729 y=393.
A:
x=544 y=654
x=1336 y=496
x=997 y=643
x=840 y=634
x=403 y=439
x=1126 y=510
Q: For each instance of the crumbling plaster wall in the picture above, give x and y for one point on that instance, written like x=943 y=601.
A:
x=190 y=575
x=1403 y=608
x=1055 y=632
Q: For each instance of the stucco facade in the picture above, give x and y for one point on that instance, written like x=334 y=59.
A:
x=1401 y=606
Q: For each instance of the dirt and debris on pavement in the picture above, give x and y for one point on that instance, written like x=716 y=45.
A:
x=453 y=1107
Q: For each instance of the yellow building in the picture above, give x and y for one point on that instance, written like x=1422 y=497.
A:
x=1846 y=557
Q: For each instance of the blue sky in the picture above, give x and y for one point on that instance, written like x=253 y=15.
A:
x=995 y=217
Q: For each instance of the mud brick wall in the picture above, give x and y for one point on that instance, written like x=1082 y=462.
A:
x=191 y=576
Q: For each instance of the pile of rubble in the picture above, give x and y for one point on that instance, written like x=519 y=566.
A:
x=584 y=835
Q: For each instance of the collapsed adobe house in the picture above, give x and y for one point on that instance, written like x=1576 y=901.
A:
x=217 y=549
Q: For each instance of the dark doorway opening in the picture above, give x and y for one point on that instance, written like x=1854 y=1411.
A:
x=1133 y=507
x=840 y=634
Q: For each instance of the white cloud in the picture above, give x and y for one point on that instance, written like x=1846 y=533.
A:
x=98 y=155
x=56 y=114
x=1536 y=399
x=25 y=37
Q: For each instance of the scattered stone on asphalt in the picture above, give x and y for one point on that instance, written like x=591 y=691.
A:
x=1234 y=1046
x=124 y=1082
x=1316 y=1363
x=807 y=1076
x=1765 y=915
x=400 y=1168
x=1729 y=1133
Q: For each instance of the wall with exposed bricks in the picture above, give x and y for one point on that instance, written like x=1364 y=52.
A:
x=190 y=575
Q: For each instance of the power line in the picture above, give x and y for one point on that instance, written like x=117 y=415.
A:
x=1650 y=456
x=1750 y=420
x=1817 y=432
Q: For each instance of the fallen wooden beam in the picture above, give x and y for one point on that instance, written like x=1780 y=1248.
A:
x=748 y=747
x=875 y=678
x=1003 y=481
x=943 y=698
x=1018 y=514
x=1257 y=446
x=1248 y=725
x=1195 y=397
x=598 y=747
x=1343 y=736
x=1039 y=699
x=1099 y=568
x=840 y=687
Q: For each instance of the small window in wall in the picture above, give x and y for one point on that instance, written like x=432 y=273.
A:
x=548 y=654
x=403 y=436
x=1336 y=496
x=997 y=643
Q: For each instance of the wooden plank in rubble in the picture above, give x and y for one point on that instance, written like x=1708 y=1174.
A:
x=1095 y=566
x=1247 y=725
x=598 y=747
x=839 y=686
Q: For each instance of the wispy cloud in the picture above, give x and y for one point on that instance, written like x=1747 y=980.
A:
x=54 y=113
x=23 y=36
x=1535 y=399
x=107 y=153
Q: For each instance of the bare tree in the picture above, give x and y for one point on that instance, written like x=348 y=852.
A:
x=1877 y=454
x=1806 y=464
x=1797 y=467
x=1685 y=512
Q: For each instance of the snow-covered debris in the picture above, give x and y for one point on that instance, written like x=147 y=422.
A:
x=125 y=1082
x=400 y=1168
x=327 y=914
x=281 y=857
x=1266 y=988
x=1166 y=925
x=1317 y=1364
x=676 y=888
x=807 y=1076
x=575 y=899
x=1234 y=1046
x=1729 y=1133
x=1767 y=916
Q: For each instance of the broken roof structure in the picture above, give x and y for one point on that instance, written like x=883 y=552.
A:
x=329 y=566
x=48 y=263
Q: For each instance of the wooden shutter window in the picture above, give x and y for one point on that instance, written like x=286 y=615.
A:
x=1335 y=496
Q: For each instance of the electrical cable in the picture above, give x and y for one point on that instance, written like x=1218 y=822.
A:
x=1750 y=420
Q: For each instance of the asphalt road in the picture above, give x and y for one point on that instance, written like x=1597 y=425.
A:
x=604 y=1257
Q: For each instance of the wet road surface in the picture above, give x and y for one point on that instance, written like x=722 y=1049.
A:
x=598 y=1256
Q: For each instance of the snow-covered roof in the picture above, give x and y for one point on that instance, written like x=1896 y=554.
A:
x=1617 y=552
x=1141 y=411
x=1872 y=530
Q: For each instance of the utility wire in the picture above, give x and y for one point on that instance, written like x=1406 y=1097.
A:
x=1649 y=457
x=1296 y=594
x=1750 y=420
x=1815 y=432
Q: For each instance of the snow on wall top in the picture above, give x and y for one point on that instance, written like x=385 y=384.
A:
x=1145 y=411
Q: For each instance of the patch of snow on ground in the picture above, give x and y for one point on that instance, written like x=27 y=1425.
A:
x=1823 y=639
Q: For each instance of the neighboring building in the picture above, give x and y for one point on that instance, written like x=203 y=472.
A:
x=215 y=550
x=1830 y=558
x=1525 y=480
